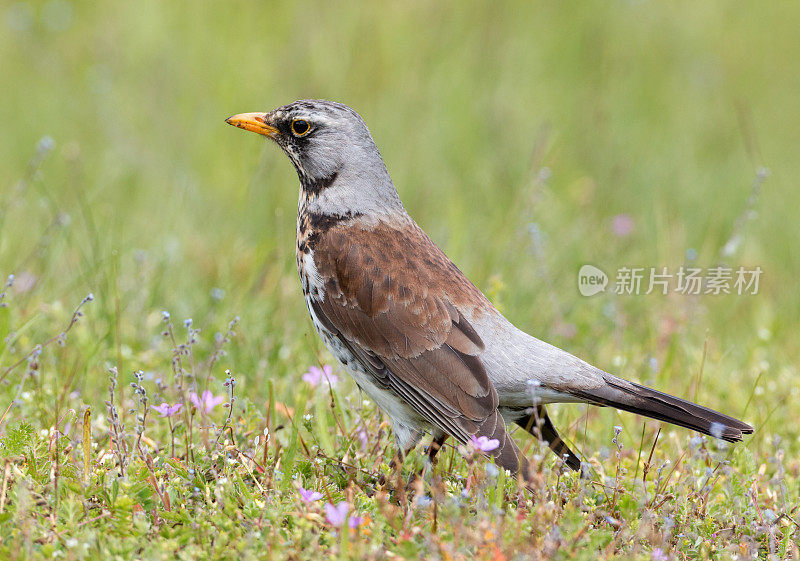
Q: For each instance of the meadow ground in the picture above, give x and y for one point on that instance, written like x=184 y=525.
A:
x=528 y=140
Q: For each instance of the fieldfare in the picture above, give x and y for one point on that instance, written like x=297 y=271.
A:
x=415 y=334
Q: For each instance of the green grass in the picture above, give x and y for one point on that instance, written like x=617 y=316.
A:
x=490 y=119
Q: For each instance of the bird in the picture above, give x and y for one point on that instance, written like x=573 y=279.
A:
x=419 y=339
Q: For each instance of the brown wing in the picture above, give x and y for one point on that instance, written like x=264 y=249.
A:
x=393 y=298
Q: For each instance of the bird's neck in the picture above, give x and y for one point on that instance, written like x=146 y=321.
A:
x=346 y=192
x=319 y=210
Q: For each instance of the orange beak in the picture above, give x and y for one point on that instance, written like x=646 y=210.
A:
x=255 y=122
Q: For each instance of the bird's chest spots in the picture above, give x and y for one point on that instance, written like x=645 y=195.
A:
x=303 y=227
x=310 y=280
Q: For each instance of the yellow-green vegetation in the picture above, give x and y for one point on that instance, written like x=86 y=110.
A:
x=515 y=134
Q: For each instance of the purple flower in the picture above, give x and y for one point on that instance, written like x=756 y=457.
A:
x=308 y=496
x=363 y=437
x=337 y=514
x=207 y=401
x=622 y=225
x=659 y=555
x=484 y=443
x=315 y=375
x=167 y=410
x=354 y=521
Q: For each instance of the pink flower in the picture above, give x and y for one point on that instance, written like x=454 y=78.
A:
x=659 y=555
x=484 y=443
x=355 y=521
x=308 y=496
x=363 y=437
x=622 y=225
x=315 y=375
x=337 y=514
x=207 y=401
x=167 y=410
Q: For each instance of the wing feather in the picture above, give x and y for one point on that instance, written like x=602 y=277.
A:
x=411 y=334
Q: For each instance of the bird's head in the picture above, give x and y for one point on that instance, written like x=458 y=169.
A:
x=331 y=149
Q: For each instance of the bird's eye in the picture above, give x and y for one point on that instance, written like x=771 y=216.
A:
x=300 y=127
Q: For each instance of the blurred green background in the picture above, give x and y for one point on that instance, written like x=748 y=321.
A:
x=514 y=132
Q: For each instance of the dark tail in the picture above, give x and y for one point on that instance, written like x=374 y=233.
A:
x=539 y=425
x=664 y=407
x=507 y=455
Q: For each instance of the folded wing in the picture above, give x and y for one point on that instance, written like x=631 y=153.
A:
x=409 y=334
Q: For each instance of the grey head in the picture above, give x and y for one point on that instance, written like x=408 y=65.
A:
x=332 y=150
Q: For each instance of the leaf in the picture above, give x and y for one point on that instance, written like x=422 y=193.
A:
x=18 y=440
